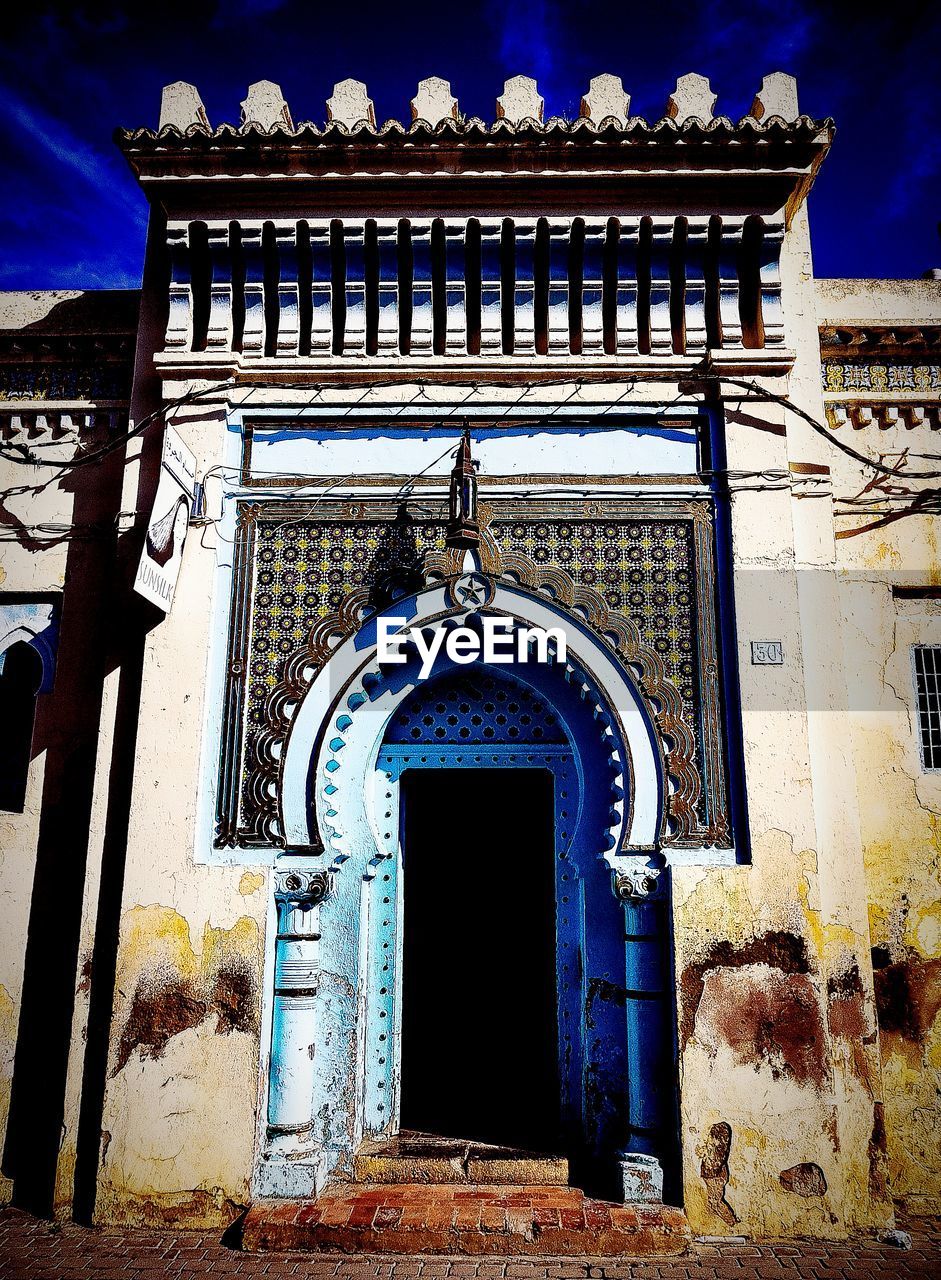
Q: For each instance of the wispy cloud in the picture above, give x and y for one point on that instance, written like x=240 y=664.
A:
x=67 y=148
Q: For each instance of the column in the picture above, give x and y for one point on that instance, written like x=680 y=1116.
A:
x=772 y=313
x=298 y=895
x=455 y=343
x=651 y=1085
x=696 y=240
x=354 y=335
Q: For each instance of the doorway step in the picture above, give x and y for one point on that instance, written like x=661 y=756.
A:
x=455 y=1218
x=423 y=1157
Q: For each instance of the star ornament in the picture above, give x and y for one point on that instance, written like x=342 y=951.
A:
x=471 y=590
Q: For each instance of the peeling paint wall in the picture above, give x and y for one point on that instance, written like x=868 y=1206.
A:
x=180 y=1105
x=901 y=809
x=899 y=802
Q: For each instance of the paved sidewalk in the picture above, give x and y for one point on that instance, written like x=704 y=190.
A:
x=31 y=1249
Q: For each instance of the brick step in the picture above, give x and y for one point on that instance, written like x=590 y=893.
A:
x=534 y=1221
x=410 y=1157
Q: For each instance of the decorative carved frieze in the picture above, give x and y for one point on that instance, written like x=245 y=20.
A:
x=884 y=415
x=881 y=376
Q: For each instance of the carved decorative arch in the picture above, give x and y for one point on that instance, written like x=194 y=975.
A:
x=332 y=774
x=642 y=666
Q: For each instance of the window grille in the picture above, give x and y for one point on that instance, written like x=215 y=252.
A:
x=927 y=670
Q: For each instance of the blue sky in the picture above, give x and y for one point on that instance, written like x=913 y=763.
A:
x=72 y=217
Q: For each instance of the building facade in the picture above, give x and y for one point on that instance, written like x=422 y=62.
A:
x=660 y=893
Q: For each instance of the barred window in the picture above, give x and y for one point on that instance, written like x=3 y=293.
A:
x=926 y=659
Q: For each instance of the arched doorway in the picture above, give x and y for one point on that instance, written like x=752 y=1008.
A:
x=508 y=780
x=361 y=737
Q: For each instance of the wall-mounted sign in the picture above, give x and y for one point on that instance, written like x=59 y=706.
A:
x=163 y=547
x=767 y=653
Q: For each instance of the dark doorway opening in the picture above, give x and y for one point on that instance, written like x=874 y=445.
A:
x=479 y=1019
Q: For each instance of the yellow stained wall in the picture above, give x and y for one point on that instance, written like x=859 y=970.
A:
x=899 y=802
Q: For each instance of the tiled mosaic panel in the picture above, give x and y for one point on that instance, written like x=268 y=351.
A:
x=305 y=568
x=64 y=382
x=851 y=376
x=643 y=569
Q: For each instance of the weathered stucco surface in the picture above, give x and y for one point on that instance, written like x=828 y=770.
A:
x=899 y=802
x=180 y=1106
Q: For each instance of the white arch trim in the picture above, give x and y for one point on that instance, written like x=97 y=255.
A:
x=339 y=675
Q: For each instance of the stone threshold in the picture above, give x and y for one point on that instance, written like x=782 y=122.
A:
x=399 y=1218
x=410 y=1157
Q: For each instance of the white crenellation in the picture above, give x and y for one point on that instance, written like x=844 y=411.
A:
x=434 y=101
x=692 y=99
x=776 y=97
x=182 y=107
x=265 y=106
x=520 y=100
x=350 y=105
x=605 y=100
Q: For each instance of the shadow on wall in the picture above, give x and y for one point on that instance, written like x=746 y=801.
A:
x=102 y=630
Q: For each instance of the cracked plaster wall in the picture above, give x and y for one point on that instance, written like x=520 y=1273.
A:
x=899 y=802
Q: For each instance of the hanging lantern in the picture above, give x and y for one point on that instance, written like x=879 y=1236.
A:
x=463 y=529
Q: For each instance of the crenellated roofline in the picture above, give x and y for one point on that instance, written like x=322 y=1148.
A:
x=606 y=154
